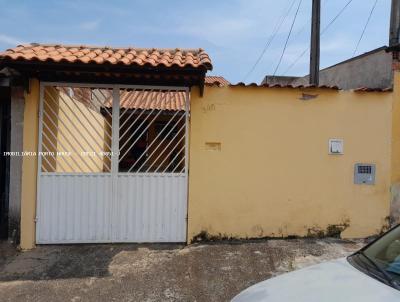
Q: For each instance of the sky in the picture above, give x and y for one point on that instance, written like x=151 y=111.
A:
x=232 y=32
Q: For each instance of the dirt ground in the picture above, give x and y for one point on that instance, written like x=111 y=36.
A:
x=157 y=272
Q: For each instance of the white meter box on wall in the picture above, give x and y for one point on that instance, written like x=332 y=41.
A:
x=364 y=174
x=336 y=146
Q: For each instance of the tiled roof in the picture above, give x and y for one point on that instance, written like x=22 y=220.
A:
x=195 y=58
x=148 y=100
x=367 y=89
x=361 y=89
x=173 y=100
x=162 y=100
x=241 y=84
x=216 y=80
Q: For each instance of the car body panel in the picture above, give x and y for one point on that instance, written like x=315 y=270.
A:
x=326 y=282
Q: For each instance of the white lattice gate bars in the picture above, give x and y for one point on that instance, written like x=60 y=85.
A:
x=112 y=164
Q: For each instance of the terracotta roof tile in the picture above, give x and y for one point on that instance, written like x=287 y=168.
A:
x=159 y=100
x=139 y=99
x=367 y=89
x=241 y=84
x=195 y=58
x=361 y=89
x=216 y=80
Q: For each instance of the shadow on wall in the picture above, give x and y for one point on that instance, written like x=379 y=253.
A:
x=66 y=261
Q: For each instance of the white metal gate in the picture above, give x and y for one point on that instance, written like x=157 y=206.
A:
x=112 y=164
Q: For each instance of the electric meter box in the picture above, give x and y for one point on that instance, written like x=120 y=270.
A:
x=364 y=174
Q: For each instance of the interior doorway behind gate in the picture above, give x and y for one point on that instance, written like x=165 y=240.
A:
x=113 y=164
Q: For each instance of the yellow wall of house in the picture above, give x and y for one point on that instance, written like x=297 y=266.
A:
x=259 y=162
x=395 y=159
x=29 y=166
x=396 y=129
x=82 y=130
x=50 y=129
x=75 y=133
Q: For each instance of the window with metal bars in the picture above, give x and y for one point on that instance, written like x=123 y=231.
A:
x=76 y=130
x=152 y=131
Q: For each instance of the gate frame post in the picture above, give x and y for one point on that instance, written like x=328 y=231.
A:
x=114 y=157
x=39 y=157
x=187 y=131
x=29 y=166
x=115 y=131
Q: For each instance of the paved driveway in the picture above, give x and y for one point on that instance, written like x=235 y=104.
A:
x=131 y=272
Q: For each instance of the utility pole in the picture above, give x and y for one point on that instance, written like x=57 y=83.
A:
x=315 y=33
x=394 y=31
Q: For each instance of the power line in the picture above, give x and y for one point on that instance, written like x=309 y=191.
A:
x=365 y=26
x=304 y=26
x=322 y=32
x=337 y=16
x=288 y=37
x=278 y=25
x=297 y=60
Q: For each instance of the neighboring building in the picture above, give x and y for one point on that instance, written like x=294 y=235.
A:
x=279 y=80
x=372 y=69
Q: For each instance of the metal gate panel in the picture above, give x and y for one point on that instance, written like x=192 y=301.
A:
x=74 y=209
x=151 y=201
x=133 y=188
x=151 y=208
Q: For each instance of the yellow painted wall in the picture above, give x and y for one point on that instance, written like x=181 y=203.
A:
x=50 y=129
x=396 y=129
x=75 y=133
x=259 y=162
x=29 y=166
x=82 y=130
x=395 y=176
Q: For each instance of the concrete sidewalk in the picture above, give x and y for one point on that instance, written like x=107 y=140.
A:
x=156 y=272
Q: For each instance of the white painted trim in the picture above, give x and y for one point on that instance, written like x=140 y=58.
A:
x=116 y=86
x=187 y=160
x=187 y=109
x=76 y=174
x=114 y=157
x=115 y=131
x=151 y=174
x=104 y=174
x=39 y=158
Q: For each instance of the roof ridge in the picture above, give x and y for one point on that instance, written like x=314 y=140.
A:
x=35 y=44
x=265 y=85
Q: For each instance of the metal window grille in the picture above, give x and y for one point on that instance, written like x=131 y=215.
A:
x=364 y=169
x=152 y=131
x=76 y=130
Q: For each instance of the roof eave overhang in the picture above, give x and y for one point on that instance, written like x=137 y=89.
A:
x=186 y=76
